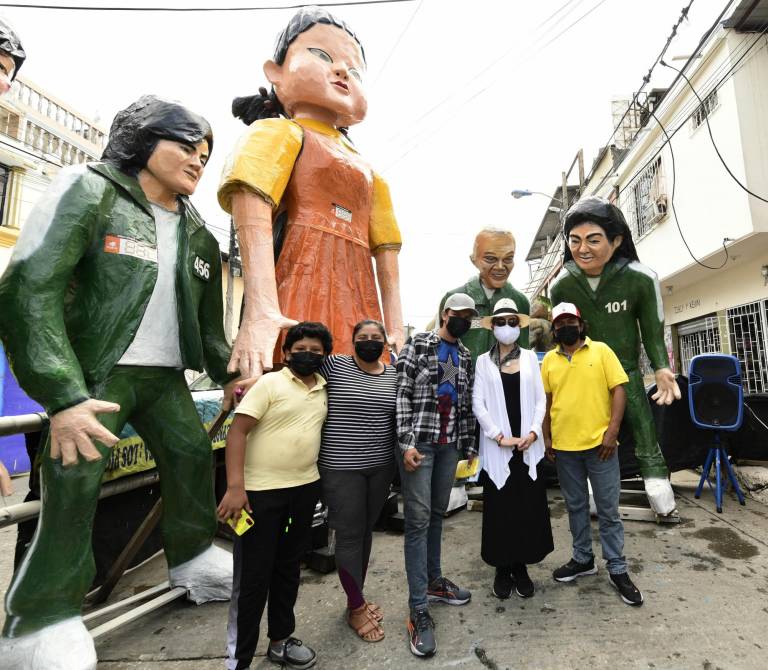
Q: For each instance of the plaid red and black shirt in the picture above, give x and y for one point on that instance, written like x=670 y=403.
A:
x=418 y=418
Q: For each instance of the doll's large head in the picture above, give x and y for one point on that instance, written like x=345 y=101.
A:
x=162 y=136
x=494 y=256
x=316 y=73
x=595 y=233
x=12 y=56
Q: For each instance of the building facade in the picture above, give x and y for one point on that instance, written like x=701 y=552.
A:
x=693 y=224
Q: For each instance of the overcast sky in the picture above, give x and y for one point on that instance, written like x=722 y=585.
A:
x=467 y=100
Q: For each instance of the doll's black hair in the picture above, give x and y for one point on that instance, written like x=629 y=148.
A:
x=606 y=215
x=264 y=104
x=138 y=128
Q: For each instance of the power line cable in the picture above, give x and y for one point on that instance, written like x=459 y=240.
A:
x=488 y=67
x=84 y=8
x=711 y=136
x=474 y=96
x=687 y=109
x=397 y=42
x=731 y=72
x=672 y=203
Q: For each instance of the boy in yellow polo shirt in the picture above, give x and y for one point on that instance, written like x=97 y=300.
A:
x=583 y=381
x=272 y=449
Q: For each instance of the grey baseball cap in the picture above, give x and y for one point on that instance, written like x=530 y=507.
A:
x=460 y=301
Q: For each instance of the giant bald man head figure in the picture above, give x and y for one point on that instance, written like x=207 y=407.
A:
x=494 y=256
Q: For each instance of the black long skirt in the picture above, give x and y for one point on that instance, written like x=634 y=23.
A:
x=516 y=526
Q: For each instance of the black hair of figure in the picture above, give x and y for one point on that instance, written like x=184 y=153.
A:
x=265 y=105
x=138 y=128
x=606 y=215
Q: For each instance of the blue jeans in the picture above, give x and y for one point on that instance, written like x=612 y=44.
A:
x=573 y=468
x=426 y=493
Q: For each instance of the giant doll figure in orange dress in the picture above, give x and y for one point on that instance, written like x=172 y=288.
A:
x=309 y=211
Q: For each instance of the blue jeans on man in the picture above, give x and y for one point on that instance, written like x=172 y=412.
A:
x=426 y=493
x=573 y=469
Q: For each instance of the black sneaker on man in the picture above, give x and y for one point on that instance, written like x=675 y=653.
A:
x=523 y=584
x=421 y=633
x=291 y=653
x=573 y=569
x=503 y=583
x=629 y=593
x=444 y=590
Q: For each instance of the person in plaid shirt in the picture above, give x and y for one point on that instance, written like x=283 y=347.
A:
x=434 y=424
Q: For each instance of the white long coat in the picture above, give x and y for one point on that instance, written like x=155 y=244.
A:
x=491 y=411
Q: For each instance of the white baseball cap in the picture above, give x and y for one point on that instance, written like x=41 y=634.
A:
x=565 y=309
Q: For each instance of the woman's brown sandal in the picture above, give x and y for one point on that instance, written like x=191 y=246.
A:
x=375 y=610
x=367 y=627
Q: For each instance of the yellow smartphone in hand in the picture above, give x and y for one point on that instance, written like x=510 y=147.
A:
x=244 y=523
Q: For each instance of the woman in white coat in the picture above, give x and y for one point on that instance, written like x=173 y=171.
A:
x=509 y=403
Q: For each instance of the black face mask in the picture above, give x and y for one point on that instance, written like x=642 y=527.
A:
x=568 y=335
x=457 y=325
x=304 y=363
x=369 y=350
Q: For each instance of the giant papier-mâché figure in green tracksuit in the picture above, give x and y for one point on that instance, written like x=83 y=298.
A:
x=113 y=290
x=620 y=299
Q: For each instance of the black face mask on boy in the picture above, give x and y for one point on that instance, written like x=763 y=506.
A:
x=304 y=363
x=457 y=325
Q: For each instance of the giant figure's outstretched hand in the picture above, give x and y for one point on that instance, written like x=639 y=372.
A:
x=262 y=319
x=73 y=429
x=667 y=390
x=255 y=344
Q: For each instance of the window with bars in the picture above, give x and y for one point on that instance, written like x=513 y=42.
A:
x=748 y=327
x=698 y=337
x=644 y=201
x=707 y=106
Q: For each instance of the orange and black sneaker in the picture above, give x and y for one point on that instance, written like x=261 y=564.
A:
x=421 y=633
x=444 y=590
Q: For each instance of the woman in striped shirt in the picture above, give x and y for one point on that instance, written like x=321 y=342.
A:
x=357 y=463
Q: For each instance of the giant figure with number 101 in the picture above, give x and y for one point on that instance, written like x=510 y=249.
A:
x=620 y=299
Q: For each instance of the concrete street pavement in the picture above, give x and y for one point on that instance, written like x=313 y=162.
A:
x=705 y=582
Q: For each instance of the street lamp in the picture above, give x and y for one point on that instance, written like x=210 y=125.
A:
x=523 y=192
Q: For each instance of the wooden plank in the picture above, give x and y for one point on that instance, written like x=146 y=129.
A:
x=138 y=612
x=120 y=604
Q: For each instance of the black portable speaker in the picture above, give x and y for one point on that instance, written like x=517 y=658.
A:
x=715 y=394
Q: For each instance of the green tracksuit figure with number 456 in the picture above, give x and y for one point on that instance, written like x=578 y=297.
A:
x=114 y=289
x=619 y=297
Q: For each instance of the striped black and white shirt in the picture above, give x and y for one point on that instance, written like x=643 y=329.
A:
x=360 y=429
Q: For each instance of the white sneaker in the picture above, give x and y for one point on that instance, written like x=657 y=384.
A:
x=66 y=645
x=207 y=576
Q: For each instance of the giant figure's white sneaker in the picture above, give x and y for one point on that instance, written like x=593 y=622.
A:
x=61 y=646
x=660 y=495
x=207 y=576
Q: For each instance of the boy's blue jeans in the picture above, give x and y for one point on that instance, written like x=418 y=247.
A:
x=426 y=493
x=573 y=468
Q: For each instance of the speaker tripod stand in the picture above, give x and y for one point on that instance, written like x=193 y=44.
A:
x=717 y=456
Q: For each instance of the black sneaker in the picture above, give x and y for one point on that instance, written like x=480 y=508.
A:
x=292 y=653
x=421 y=633
x=523 y=584
x=503 y=583
x=444 y=590
x=629 y=593
x=573 y=569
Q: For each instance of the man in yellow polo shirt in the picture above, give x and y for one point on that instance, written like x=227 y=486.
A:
x=583 y=381
x=272 y=449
